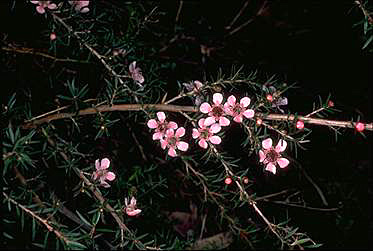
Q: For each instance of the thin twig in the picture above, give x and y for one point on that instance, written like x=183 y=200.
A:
x=238 y=15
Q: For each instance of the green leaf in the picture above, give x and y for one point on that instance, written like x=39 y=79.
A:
x=367 y=42
x=8 y=236
x=76 y=245
x=83 y=219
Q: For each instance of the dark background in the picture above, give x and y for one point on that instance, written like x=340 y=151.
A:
x=312 y=43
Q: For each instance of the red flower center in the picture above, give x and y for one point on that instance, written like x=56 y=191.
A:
x=205 y=133
x=217 y=111
x=237 y=109
x=272 y=155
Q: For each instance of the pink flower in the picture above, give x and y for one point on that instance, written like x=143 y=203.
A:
x=215 y=112
x=196 y=88
x=161 y=126
x=80 y=5
x=270 y=156
x=206 y=134
x=172 y=141
x=131 y=209
x=42 y=5
x=136 y=73
x=237 y=110
x=102 y=173
x=52 y=36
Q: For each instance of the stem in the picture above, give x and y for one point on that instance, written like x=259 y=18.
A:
x=177 y=108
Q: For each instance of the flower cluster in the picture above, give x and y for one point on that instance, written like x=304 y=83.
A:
x=136 y=73
x=131 y=209
x=164 y=132
x=80 y=5
x=42 y=5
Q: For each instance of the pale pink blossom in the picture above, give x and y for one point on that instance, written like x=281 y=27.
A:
x=135 y=73
x=161 y=126
x=131 y=209
x=215 y=112
x=172 y=141
x=238 y=110
x=206 y=134
x=196 y=88
x=270 y=155
x=42 y=5
x=80 y=5
x=102 y=173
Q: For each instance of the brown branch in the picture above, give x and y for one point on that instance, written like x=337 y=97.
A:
x=43 y=221
x=177 y=108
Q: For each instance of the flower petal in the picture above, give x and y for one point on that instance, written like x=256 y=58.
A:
x=215 y=128
x=231 y=100
x=215 y=140
x=169 y=133
x=195 y=133
x=209 y=121
x=249 y=113
x=202 y=143
x=180 y=132
x=132 y=67
x=157 y=135
x=110 y=176
x=161 y=116
x=131 y=212
x=198 y=84
x=40 y=9
x=205 y=108
x=163 y=143
x=262 y=156
x=281 y=146
x=245 y=101
x=105 y=184
x=217 y=98
x=152 y=123
x=97 y=164
x=52 y=6
x=182 y=146
x=172 y=125
x=238 y=118
x=172 y=152
x=201 y=123
x=105 y=163
x=267 y=143
x=283 y=162
x=133 y=201
x=272 y=168
x=223 y=121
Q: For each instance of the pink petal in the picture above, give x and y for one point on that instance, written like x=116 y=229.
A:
x=52 y=6
x=40 y=9
x=183 y=146
x=238 y=118
x=282 y=162
x=172 y=125
x=180 y=132
x=195 y=133
x=215 y=140
x=281 y=146
x=133 y=201
x=267 y=143
x=172 y=152
x=228 y=109
x=202 y=143
x=209 y=121
x=215 y=128
x=97 y=164
x=201 y=123
x=272 y=168
x=223 y=121
x=198 y=84
x=132 y=67
x=161 y=116
x=157 y=136
x=205 y=108
x=105 y=163
x=110 y=176
x=85 y=10
x=169 y=133
x=95 y=175
x=245 y=101
x=231 y=100
x=131 y=212
x=217 y=98
x=249 y=113
x=262 y=156
x=152 y=123
x=163 y=143
x=34 y=1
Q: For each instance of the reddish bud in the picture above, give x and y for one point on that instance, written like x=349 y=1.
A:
x=300 y=124
x=330 y=103
x=52 y=36
x=269 y=97
x=245 y=180
x=228 y=180
x=360 y=127
x=259 y=121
